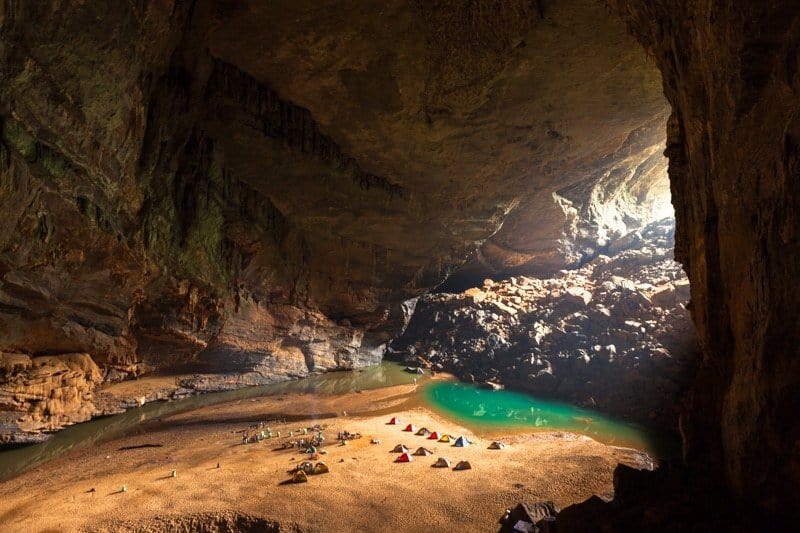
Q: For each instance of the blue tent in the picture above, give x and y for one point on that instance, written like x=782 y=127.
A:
x=462 y=442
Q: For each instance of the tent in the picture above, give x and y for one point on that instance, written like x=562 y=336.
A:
x=445 y=438
x=321 y=468
x=400 y=449
x=394 y=421
x=423 y=451
x=495 y=445
x=411 y=427
x=434 y=436
x=424 y=432
x=462 y=442
x=306 y=466
x=463 y=465
x=442 y=463
x=299 y=477
x=405 y=458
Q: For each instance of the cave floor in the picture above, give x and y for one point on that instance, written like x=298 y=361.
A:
x=365 y=490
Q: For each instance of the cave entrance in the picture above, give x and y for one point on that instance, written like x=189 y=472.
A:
x=605 y=327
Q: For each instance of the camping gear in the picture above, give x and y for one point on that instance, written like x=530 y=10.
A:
x=463 y=465
x=462 y=442
x=411 y=427
x=400 y=449
x=405 y=458
x=424 y=432
x=306 y=466
x=394 y=421
x=423 y=451
x=442 y=463
x=320 y=468
x=445 y=438
x=299 y=477
x=495 y=445
x=434 y=436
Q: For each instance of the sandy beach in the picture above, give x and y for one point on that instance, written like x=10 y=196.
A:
x=364 y=491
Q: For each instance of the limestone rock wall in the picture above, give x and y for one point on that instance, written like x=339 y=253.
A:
x=45 y=393
x=731 y=75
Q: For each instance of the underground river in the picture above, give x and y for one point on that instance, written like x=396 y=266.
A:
x=483 y=411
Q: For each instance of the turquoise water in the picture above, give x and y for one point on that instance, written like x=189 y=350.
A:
x=481 y=410
x=493 y=411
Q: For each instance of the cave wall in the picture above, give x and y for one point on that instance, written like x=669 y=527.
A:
x=731 y=75
x=254 y=188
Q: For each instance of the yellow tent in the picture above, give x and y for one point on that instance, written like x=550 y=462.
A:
x=445 y=438
x=299 y=477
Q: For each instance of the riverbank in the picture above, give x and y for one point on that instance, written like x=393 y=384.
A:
x=365 y=489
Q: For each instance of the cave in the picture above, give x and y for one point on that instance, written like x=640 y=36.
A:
x=205 y=196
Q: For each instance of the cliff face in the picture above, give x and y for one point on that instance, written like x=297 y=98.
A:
x=731 y=75
x=251 y=191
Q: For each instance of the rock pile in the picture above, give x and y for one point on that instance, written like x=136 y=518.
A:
x=614 y=334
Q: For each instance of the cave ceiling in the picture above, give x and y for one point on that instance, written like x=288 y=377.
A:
x=176 y=168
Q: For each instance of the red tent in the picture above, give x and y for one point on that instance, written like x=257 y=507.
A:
x=405 y=458
x=410 y=427
x=434 y=436
x=394 y=421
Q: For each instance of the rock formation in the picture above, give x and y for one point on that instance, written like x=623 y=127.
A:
x=731 y=76
x=614 y=334
x=185 y=190
x=171 y=172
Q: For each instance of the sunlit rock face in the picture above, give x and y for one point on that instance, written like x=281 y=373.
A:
x=256 y=187
x=613 y=335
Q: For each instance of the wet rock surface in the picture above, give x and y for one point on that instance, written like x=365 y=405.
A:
x=613 y=335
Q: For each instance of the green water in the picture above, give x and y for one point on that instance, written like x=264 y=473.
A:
x=480 y=410
x=490 y=411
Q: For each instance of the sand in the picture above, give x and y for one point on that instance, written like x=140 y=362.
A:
x=365 y=490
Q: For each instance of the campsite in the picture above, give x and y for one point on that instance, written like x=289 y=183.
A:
x=216 y=471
